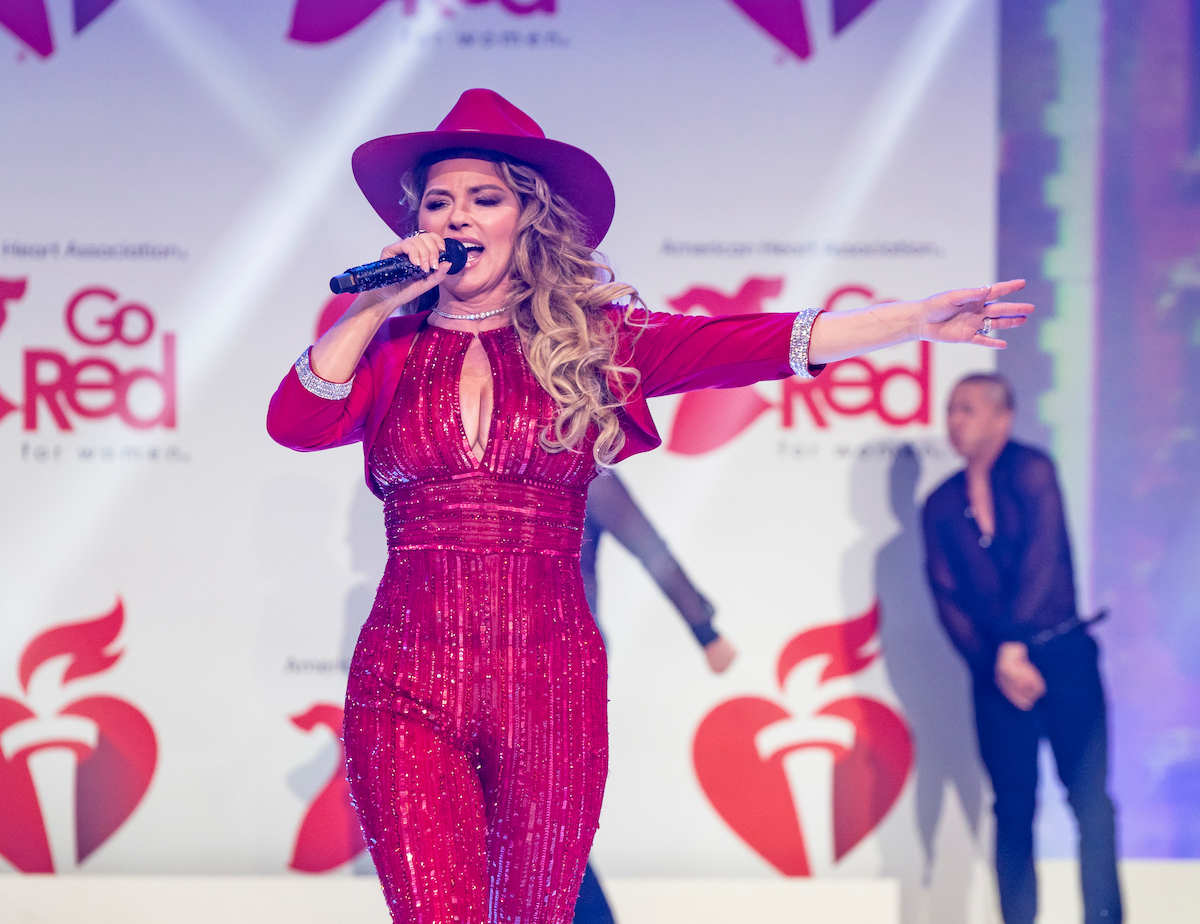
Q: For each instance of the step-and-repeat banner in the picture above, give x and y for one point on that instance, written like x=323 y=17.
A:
x=180 y=596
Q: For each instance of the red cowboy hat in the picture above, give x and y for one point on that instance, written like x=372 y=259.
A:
x=485 y=120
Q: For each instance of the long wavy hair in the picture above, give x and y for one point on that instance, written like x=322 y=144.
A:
x=560 y=292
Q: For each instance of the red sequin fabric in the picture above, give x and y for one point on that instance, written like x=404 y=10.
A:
x=475 y=732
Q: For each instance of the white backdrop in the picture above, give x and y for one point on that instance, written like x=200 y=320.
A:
x=189 y=163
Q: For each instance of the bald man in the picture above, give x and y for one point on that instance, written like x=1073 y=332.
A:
x=999 y=565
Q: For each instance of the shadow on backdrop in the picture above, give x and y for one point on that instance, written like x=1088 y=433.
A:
x=931 y=683
x=929 y=677
x=367 y=541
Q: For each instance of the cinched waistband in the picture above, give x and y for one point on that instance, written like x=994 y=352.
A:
x=483 y=514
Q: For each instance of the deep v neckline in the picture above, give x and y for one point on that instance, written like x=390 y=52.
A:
x=476 y=462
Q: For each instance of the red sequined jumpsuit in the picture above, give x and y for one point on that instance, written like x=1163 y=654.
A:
x=475 y=715
x=475 y=727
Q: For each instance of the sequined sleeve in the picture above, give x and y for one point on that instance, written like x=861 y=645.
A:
x=332 y=391
x=307 y=413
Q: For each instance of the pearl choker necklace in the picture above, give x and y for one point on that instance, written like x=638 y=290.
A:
x=470 y=317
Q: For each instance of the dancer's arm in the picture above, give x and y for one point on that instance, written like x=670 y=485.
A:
x=612 y=506
x=1046 y=556
x=978 y=651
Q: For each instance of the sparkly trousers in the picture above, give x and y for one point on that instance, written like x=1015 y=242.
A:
x=475 y=724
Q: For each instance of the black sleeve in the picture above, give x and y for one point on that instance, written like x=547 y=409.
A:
x=979 y=652
x=611 y=505
x=1045 y=585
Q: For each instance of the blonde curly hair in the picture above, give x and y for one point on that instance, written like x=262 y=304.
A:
x=560 y=292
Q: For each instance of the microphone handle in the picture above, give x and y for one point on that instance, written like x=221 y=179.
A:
x=373 y=275
x=393 y=270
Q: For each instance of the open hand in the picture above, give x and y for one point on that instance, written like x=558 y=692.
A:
x=961 y=315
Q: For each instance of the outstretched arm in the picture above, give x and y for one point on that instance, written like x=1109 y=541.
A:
x=678 y=353
x=957 y=316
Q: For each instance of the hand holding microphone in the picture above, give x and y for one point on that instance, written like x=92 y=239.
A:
x=408 y=268
x=397 y=269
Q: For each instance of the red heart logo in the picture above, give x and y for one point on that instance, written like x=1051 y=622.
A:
x=330 y=834
x=741 y=747
x=708 y=419
x=114 y=744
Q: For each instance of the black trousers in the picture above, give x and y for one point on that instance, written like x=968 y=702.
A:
x=592 y=907
x=1073 y=717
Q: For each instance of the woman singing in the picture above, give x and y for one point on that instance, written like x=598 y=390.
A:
x=475 y=726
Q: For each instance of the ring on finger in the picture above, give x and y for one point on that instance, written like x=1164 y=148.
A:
x=414 y=234
x=986 y=330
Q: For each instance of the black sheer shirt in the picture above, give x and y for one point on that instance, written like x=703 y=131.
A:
x=1019 y=584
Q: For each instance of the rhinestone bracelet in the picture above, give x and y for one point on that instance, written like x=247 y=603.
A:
x=801 y=332
x=333 y=391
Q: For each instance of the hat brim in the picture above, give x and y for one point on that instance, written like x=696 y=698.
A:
x=571 y=172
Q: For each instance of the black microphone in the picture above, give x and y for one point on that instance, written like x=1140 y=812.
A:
x=395 y=269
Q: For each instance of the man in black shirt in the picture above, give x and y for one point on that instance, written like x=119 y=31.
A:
x=999 y=565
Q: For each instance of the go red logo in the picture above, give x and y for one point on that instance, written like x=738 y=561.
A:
x=330 y=834
x=803 y=786
x=317 y=21
x=29 y=21
x=105 y=744
x=94 y=386
x=708 y=419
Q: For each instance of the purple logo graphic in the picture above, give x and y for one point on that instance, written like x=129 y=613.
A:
x=317 y=21
x=113 y=744
x=784 y=20
x=29 y=21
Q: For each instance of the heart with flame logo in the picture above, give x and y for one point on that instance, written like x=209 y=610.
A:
x=740 y=753
x=329 y=835
x=115 y=748
x=711 y=417
x=318 y=21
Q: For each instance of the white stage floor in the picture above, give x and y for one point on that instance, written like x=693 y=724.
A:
x=1157 y=892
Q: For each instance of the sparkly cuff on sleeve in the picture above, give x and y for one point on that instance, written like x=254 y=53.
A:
x=333 y=391
x=798 y=353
